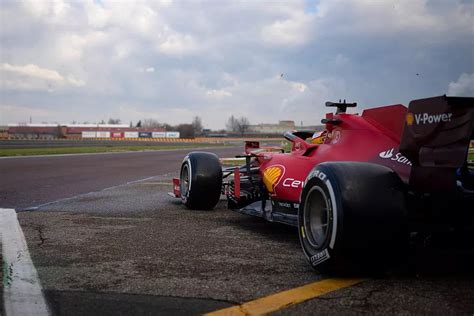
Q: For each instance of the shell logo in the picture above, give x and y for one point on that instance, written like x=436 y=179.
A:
x=410 y=118
x=272 y=176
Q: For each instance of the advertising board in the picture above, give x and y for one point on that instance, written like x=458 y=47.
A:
x=144 y=134
x=116 y=134
x=172 y=134
x=131 y=134
x=103 y=134
x=158 y=134
x=88 y=134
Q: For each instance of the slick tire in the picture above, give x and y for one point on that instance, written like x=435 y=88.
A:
x=351 y=216
x=200 y=180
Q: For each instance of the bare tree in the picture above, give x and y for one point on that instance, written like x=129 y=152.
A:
x=197 y=125
x=168 y=127
x=113 y=121
x=185 y=130
x=238 y=125
x=151 y=123
x=242 y=125
x=231 y=124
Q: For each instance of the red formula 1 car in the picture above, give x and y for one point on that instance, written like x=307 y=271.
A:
x=358 y=189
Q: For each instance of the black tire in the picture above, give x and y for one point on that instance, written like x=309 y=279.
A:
x=200 y=180
x=351 y=216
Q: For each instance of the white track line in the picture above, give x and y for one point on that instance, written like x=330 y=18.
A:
x=21 y=287
x=33 y=208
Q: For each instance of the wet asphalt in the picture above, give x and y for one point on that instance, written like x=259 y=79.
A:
x=123 y=249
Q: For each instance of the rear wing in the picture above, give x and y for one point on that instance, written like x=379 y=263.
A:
x=436 y=138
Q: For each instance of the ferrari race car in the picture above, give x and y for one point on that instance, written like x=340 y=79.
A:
x=361 y=189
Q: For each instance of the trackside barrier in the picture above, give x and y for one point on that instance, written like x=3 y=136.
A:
x=187 y=140
x=211 y=140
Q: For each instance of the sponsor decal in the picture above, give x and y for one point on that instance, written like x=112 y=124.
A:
x=284 y=204
x=317 y=174
x=272 y=176
x=292 y=183
x=386 y=154
x=288 y=205
x=319 y=257
x=426 y=118
x=398 y=157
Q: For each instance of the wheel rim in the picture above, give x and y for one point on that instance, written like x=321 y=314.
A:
x=184 y=181
x=317 y=217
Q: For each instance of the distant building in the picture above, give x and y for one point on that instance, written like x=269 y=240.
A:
x=3 y=132
x=282 y=127
x=279 y=128
x=52 y=131
x=36 y=131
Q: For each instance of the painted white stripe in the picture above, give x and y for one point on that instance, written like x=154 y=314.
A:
x=33 y=208
x=334 y=214
x=21 y=287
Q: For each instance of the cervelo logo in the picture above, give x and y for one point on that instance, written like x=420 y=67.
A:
x=272 y=176
x=398 y=157
x=425 y=118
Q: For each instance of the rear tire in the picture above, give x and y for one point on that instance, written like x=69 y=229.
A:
x=351 y=216
x=200 y=180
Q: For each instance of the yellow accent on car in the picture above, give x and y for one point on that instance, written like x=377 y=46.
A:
x=271 y=176
x=410 y=118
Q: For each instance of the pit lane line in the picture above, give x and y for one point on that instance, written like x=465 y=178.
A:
x=287 y=298
x=22 y=293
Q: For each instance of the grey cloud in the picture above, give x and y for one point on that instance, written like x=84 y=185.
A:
x=215 y=59
x=463 y=87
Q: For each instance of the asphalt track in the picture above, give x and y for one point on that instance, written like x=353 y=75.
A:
x=31 y=181
x=114 y=245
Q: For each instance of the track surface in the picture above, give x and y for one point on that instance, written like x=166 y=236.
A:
x=31 y=181
x=11 y=144
x=133 y=250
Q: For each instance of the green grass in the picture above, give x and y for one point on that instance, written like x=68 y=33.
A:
x=83 y=150
x=286 y=145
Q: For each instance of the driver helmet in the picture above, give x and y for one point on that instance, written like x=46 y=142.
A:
x=319 y=137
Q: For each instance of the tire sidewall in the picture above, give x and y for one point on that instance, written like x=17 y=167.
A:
x=321 y=258
x=186 y=163
x=205 y=180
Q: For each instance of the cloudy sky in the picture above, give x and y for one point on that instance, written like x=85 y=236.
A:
x=265 y=60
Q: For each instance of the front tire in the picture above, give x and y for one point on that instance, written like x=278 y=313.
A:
x=200 y=180
x=351 y=216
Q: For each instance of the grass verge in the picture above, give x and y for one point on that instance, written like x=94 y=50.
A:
x=87 y=150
